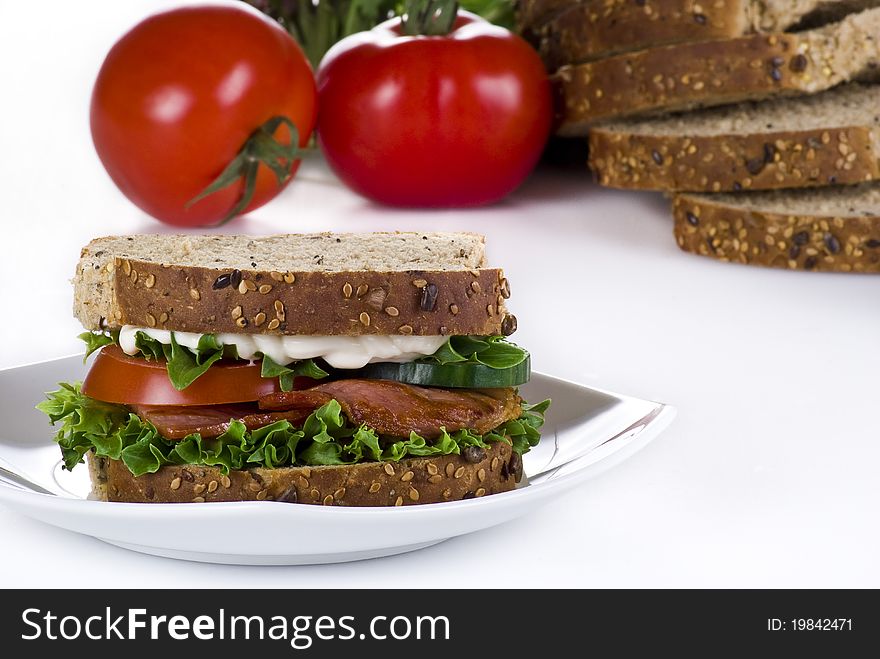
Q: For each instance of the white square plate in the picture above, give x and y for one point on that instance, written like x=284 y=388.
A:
x=586 y=432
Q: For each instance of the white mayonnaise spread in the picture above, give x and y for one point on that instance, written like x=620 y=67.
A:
x=338 y=351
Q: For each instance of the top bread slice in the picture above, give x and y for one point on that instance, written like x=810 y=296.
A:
x=709 y=73
x=593 y=29
x=307 y=284
x=807 y=141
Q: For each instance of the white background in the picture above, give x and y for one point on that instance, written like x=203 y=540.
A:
x=769 y=476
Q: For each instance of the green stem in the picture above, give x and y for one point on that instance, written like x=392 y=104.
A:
x=429 y=17
x=260 y=147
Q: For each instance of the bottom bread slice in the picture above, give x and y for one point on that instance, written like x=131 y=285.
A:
x=831 y=229
x=475 y=473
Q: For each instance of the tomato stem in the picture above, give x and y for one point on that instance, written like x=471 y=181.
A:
x=260 y=147
x=429 y=17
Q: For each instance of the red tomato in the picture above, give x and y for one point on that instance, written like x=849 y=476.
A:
x=118 y=378
x=179 y=95
x=455 y=120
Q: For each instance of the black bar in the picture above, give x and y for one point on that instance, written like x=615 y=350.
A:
x=436 y=623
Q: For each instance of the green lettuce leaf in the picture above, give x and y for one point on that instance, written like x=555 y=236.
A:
x=149 y=347
x=524 y=432
x=185 y=365
x=97 y=340
x=445 y=445
x=364 y=445
x=492 y=351
x=87 y=424
x=306 y=368
x=326 y=437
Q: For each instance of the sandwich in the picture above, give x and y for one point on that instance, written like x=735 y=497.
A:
x=335 y=369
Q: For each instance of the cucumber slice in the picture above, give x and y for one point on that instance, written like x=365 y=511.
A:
x=471 y=376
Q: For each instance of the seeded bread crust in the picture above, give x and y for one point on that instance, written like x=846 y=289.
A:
x=725 y=162
x=739 y=228
x=593 y=29
x=112 y=290
x=710 y=73
x=531 y=14
x=408 y=482
x=601 y=28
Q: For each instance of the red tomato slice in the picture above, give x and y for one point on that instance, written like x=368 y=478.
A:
x=118 y=378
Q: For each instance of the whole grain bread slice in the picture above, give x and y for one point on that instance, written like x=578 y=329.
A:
x=808 y=141
x=593 y=29
x=531 y=14
x=411 y=481
x=833 y=229
x=710 y=73
x=311 y=284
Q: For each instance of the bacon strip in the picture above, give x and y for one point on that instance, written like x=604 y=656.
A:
x=396 y=409
x=391 y=408
x=211 y=421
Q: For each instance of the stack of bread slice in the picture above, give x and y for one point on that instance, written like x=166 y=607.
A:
x=759 y=118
